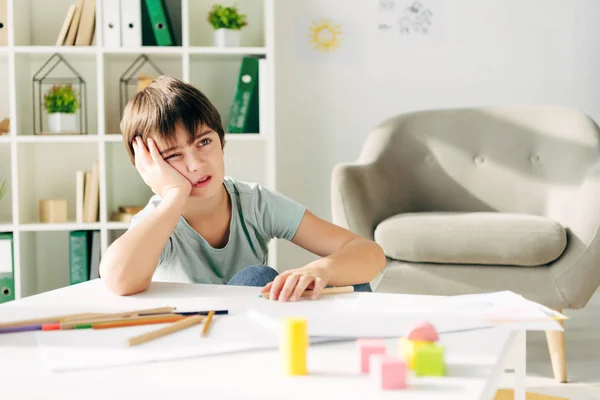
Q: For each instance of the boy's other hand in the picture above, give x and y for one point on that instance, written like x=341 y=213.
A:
x=291 y=284
x=161 y=177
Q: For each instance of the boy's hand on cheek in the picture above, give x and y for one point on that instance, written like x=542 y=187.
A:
x=290 y=285
x=162 y=178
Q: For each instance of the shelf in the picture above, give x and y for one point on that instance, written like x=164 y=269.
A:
x=68 y=226
x=5 y=138
x=56 y=49
x=207 y=50
x=56 y=138
x=7 y=227
x=144 y=50
x=118 y=225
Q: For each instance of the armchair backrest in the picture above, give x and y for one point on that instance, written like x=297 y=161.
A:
x=521 y=159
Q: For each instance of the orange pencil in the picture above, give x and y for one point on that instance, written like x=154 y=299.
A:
x=162 y=320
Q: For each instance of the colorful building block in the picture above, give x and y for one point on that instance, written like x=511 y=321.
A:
x=388 y=371
x=424 y=332
x=407 y=350
x=294 y=345
x=367 y=348
x=429 y=360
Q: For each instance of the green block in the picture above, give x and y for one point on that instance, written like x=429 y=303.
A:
x=429 y=360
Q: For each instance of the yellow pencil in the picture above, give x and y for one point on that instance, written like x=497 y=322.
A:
x=176 y=326
x=207 y=323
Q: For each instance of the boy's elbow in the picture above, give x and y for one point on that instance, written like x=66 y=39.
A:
x=379 y=260
x=120 y=285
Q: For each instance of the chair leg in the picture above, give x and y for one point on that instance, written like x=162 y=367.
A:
x=556 y=345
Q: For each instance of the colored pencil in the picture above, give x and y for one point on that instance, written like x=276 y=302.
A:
x=24 y=328
x=45 y=320
x=326 y=291
x=122 y=324
x=207 y=323
x=186 y=322
x=217 y=312
x=71 y=325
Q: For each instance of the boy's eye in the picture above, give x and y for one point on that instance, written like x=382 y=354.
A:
x=172 y=156
x=205 y=141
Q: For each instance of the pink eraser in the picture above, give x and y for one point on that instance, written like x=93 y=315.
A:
x=423 y=332
x=388 y=371
x=366 y=348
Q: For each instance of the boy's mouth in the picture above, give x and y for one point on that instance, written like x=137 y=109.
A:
x=205 y=180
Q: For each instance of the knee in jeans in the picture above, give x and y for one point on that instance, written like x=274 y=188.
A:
x=262 y=270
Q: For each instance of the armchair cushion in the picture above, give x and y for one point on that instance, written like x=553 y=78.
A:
x=489 y=238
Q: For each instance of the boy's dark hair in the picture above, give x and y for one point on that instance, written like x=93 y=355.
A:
x=164 y=104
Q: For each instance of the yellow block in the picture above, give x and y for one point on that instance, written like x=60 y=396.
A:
x=509 y=394
x=407 y=350
x=293 y=346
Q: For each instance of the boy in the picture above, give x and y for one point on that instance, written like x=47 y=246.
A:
x=204 y=227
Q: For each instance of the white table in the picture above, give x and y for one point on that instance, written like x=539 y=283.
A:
x=475 y=359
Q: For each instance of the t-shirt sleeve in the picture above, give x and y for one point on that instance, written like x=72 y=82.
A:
x=277 y=215
x=167 y=251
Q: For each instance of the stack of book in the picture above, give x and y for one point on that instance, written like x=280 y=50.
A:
x=79 y=24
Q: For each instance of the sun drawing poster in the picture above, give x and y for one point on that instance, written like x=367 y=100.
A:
x=325 y=39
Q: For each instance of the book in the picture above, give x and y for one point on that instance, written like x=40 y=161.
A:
x=87 y=24
x=62 y=35
x=243 y=116
x=94 y=255
x=7 y=278
x=3 y=23
x=92 y=192
x=70 y=40
x=79 y=256
x=79 y=195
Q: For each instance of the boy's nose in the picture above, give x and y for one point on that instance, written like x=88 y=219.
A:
x=194 y=164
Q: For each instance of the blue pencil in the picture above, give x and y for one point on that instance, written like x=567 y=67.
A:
x=201 y=312
x=21 y=328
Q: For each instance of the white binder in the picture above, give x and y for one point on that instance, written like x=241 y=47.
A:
x=111 y=25
x=131 y=23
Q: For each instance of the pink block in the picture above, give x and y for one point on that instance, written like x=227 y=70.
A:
x=423 y=332
x=388 y=371
x=366 y=348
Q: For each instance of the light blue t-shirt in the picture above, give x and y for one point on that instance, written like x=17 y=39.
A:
x=257 y=215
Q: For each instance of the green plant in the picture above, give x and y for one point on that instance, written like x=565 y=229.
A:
x=3 y=187
x=61 y=99
x=226 y=17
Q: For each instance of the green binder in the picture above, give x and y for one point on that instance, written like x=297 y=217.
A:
x=79 y=256
x=243 y=116
x=7 y=268
x=161 y=25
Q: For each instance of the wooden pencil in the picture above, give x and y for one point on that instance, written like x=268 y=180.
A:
x=150 y=321
x=176 y=326
x=110 y=320
x=135 y=313
x=326 y=291
x=207 y=323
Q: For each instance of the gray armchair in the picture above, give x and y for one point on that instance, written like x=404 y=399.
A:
x=479 y=200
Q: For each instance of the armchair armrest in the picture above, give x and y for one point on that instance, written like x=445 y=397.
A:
x=577 y=271
x=363 y=195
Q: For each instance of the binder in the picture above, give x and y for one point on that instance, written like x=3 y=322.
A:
x=70 y=40
x=95 y=255
x=79 y=256
x=131 y=23
x=7 y=268
x=111 y=25
x=3 y=24
x=62 y=35
x=87 y=24
x=161 y=25
x=243 y=116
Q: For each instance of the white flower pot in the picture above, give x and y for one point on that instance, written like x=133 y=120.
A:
x=227 y=38
x=62 y=122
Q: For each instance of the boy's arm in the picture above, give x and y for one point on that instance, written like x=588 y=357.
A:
x=129 y=263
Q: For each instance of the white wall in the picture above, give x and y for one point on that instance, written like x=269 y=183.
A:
x=491 y=53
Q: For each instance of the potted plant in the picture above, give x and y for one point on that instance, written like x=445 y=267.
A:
x=227 y=22
x=61 y=104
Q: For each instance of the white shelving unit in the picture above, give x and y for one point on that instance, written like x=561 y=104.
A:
x=39 y=167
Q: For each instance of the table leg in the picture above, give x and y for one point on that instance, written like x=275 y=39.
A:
x=520 y=364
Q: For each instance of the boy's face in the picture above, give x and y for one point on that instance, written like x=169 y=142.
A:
x=201 y=161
